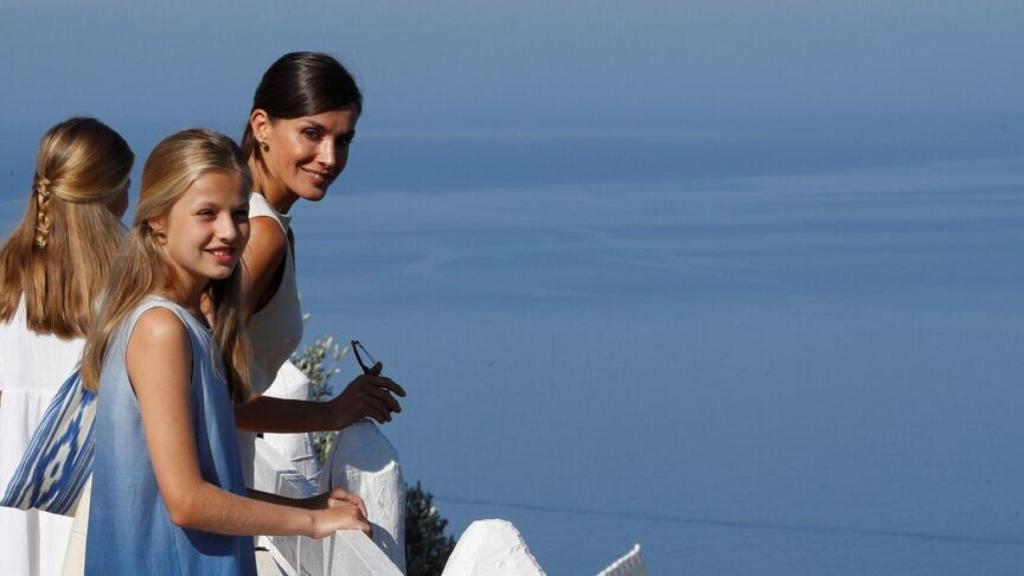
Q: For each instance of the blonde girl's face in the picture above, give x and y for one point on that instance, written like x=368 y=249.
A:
x=207 y=228
x=305 y=155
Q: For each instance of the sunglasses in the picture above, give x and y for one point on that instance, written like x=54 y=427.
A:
x=375 y=367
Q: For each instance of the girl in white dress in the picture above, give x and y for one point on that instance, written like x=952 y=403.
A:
x=52 y=268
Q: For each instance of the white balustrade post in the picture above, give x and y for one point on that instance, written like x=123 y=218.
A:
x=365 y=463
x=491 y=548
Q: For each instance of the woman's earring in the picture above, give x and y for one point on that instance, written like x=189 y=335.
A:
x=264 y=146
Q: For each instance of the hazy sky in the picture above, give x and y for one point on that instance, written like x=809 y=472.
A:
x=487 y=94
x=720 y=69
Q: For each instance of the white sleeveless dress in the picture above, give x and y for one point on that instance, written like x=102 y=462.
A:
x=275 y=332
x=32 y=367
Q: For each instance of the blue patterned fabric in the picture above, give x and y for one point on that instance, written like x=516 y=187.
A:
x=58 y=459
x=130 y=529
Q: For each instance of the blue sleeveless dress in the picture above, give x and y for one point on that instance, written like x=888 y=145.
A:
x=130 y=530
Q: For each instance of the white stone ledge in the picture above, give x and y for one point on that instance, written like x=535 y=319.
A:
x=347 y=552
x=492 y=548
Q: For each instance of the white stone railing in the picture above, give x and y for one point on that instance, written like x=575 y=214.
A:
x=631 y=564
x=346 y=552
x=365 y=463
x=486 y=548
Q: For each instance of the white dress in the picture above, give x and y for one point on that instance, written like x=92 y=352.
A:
x=275 y=332
x=32 y=367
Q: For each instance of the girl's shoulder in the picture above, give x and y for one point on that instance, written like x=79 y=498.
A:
x=154 y=332
x=153 y=306
x=160 y=320
x=159 y=324
x=158 y=342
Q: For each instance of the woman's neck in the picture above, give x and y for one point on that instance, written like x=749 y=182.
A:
x=278 y=196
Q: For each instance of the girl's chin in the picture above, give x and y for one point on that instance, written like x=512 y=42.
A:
x=221 y=273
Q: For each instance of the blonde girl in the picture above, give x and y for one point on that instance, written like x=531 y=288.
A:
x=52 y=269
x=167 y=354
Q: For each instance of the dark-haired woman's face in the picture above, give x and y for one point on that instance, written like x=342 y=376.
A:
x=306 y=154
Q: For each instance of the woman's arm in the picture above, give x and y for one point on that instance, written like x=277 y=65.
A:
x=262 y=261
x=365 y=397
x=159 y=363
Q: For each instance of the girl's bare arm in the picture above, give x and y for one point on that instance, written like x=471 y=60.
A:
x=159 y=362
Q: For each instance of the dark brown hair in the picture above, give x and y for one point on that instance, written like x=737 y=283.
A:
x=302 y=84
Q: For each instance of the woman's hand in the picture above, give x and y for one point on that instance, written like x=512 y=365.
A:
x=368 y=396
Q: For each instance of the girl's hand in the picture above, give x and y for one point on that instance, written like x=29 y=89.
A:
x=342 y=515
x=335 y=499
x=367 y=396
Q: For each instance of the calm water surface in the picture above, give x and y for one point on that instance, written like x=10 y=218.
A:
x=800 y=374
x=808 y=373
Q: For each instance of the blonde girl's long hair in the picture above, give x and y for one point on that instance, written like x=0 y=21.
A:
x=58 y=257
x=141 y=268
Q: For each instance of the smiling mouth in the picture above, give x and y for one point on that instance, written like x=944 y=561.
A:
x=320 y=177
x=222 y=252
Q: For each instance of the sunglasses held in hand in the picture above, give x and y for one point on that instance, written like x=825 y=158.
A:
x=375 y=367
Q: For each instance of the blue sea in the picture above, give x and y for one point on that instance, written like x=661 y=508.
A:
x=748 y=359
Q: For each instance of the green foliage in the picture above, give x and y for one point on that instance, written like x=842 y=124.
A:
x=319 y=361
x=426 y=547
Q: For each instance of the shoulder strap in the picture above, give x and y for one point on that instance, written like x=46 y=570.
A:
x=259 y=207
x=158 y=302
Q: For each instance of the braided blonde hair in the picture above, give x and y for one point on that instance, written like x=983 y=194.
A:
x=56 y=260
x=42 y=195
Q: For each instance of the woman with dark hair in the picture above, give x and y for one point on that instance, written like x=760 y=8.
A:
x=302 y=122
